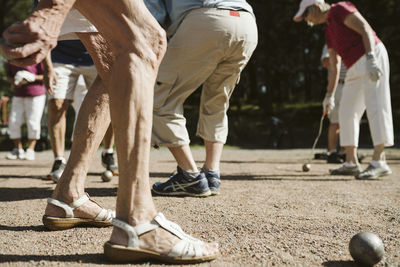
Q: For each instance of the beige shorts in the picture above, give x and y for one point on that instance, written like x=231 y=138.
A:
x=75 y=22
x=210 y=48
x=68 y=86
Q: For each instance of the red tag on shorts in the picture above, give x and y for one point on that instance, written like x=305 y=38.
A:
x=234 y=13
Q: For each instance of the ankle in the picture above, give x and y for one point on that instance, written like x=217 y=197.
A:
x=349 y=164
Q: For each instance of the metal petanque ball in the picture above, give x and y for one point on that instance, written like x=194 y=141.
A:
x=107 y=176
x=366 y=248
x=306 y=167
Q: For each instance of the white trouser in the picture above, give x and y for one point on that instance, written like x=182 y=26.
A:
x=29 y=109
x=360 y=94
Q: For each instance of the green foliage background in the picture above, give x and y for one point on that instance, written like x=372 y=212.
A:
x=277 y=103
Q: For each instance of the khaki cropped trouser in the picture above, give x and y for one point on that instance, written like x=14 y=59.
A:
x=210 y=48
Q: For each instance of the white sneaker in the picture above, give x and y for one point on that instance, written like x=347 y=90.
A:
x=30 y=154
x=16 y=154
x=372 y=172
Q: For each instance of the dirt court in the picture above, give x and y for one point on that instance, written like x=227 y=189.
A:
x=269 y=212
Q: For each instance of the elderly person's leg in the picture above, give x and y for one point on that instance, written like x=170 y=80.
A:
x=351 y=109
x=57 y=124
x=137 y=47
x=379 y=113
x=91 y=124
x=90 y=127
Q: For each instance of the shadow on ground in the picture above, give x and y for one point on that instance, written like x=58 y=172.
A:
x=340 y=264
x=17 y=194
x=97 y=258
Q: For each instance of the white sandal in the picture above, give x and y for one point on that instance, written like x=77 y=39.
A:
x=103 y=219
x=187 y=250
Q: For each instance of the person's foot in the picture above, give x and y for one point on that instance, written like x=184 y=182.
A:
x=346 y=169
x=214 y=180
x=16 y=154
x=179 y=185
x=30 y=154
x=335 y=157
x=108 y=162
x=159 y=240
x=372 y=172
x=89 y=209
x=57 y=170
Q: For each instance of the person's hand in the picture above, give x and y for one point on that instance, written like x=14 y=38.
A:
x=29 y=41
x=374 y=72
x=329 y=103
x=50 y=79
x=24 y=77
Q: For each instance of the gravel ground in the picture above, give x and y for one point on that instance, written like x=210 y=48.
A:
x=269 y=212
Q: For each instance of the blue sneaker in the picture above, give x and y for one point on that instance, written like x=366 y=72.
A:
x=178 y=185
x=214 y=181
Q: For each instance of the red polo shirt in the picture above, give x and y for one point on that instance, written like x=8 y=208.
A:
x=346 y=42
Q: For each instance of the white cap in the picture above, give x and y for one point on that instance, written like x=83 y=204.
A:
x=303 y=5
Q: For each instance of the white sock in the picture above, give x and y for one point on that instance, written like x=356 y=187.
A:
x=108 y=151
x=349 y=164
x=377 y=163
x=206 y=170
x=190 y=175
x=60 y=158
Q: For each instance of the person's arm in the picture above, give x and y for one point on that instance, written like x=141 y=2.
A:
x=10 y=77
x=357 y=23
x=50 y=77
x=334 y=68
x=29 y=41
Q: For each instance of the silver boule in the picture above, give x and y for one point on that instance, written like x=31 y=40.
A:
x=366 y=248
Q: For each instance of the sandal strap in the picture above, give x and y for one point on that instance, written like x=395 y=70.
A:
x=187 y=247
x=173 y=228
x=105 y=215
x=69 y=208
x=133 y=232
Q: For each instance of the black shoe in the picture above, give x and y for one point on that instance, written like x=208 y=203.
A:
x=320 y=156
x=108 y=162
x=179 y=185
x=56 y=170
x=334 y=157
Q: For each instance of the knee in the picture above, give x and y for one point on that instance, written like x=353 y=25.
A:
x=149 y=47
x=58 y=105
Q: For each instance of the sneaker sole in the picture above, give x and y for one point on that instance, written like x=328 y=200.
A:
x=182 y=194
x=214 y=192
x=374 y=177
